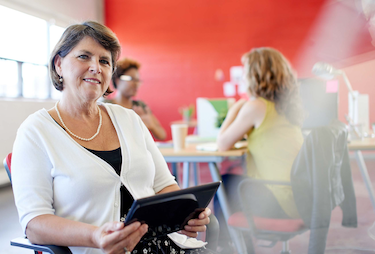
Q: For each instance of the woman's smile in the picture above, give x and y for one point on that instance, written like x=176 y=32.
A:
x=92 y=80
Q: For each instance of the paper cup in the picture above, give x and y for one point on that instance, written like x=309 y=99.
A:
x=179 y=133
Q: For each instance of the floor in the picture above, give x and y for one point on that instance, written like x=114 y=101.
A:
x=340 y=239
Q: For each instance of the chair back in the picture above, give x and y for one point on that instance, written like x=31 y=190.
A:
x=7 y=165
x=321 y=176
x=321 y=179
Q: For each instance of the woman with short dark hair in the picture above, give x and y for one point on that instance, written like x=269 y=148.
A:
x=126 y=80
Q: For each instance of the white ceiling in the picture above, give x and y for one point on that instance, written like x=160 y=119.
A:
x=62 y=12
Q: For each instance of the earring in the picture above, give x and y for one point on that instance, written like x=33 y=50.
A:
x=61 y=79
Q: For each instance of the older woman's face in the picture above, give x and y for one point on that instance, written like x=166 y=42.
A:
x=86 y=70
x=129 y=88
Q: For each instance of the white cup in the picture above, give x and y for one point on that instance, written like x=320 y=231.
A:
x=179 y=133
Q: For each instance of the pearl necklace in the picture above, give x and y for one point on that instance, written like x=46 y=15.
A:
x=74 y=135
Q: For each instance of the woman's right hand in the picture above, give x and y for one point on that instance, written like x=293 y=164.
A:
x=114 y=237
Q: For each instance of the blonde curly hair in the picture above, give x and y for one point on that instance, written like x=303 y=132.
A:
x=122 y=66
x=271 y=77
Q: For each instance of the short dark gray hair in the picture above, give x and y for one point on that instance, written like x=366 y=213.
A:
x=73 y=35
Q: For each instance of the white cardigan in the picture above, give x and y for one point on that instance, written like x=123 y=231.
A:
x=53 y=174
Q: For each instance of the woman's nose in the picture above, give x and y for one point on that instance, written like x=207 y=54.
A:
x=95 y=67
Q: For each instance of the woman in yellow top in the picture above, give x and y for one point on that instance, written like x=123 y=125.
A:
x=271 y=121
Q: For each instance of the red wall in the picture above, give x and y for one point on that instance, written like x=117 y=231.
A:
x=181 y=43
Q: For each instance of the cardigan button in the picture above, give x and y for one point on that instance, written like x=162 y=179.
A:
x=116 y=204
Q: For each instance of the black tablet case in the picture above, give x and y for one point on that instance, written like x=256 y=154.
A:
x=169 y=212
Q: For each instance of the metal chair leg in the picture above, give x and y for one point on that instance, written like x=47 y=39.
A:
x=196 y=174
x=175 y=171
x=186 y=175
x=285 y=248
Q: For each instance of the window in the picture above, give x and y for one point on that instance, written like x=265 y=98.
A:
x=26 y=44
x=9 y=78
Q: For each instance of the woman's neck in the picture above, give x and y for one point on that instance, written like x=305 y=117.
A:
x=80 y=109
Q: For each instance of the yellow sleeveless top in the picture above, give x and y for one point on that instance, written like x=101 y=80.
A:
x=273 y=146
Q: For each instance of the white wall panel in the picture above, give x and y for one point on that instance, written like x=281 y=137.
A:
x=12 y=114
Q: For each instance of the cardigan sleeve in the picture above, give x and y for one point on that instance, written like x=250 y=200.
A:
x=31 y=174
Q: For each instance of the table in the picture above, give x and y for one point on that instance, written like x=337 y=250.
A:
x=191 y=155
x=367 y=144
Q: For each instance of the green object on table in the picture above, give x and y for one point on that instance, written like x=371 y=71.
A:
x=221 y=107
x=187 y=112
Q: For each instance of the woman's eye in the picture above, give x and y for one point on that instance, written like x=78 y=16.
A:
x=104 y=62
x=83 y=56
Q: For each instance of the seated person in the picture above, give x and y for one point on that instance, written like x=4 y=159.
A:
x=271 y=120
x=77 y=167
x=126 y=81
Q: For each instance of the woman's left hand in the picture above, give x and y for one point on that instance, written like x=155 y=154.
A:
x=197 y=225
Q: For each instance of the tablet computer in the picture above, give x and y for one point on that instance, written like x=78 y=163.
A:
x=169 y=212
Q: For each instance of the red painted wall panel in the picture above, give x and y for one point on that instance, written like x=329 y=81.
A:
x=181 y=43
